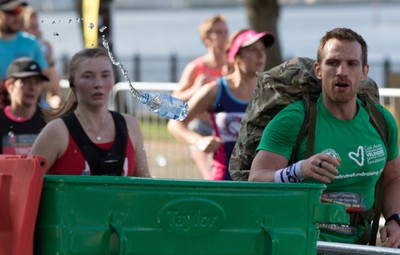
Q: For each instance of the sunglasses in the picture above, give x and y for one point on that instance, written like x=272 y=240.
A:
x=16 y=11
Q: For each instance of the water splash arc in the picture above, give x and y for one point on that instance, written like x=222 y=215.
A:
x=134 y=92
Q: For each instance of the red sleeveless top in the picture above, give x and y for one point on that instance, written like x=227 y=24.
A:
x=201 y=68
x=72 y=162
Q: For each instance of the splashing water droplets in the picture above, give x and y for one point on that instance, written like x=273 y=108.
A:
x=102 y=29
x=107 y=47
x=161 y=160
x=134 y=92
x=70 y=21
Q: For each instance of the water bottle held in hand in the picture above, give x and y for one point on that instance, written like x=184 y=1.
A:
x=165 y=105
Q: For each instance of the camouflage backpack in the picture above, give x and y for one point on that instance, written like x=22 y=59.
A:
x=276 y=88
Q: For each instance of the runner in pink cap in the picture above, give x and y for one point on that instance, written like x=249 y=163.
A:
x=247 y=38
x=226 y=99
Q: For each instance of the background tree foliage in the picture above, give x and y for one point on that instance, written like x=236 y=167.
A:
x=263 y=15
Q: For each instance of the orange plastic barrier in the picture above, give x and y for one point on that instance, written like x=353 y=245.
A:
x=21 y=180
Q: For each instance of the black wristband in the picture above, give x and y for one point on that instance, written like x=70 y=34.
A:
x=395 y=217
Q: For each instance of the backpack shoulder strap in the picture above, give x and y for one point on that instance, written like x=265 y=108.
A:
x=378 y=121
x=377 y=210
x=375 y=117
x=307 y=128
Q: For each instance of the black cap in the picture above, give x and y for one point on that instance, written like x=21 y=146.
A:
x=10 y=5
x=25 y=67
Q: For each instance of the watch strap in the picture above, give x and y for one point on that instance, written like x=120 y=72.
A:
x=395 y=217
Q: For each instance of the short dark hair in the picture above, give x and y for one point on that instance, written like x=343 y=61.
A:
x=347 y=35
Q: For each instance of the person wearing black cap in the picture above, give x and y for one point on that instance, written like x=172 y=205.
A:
x=15 y=43
x=21 y=119
x=12 y=5
x=226 y=99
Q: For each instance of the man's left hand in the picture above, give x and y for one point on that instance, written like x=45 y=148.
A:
x=390 y=234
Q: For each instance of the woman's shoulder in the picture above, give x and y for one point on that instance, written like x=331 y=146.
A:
x=134 y=129
x=56 y=123
x=199 y=61
x=194 y=64
x=55 y=127
x=210 y=89
x=127 y=116
x=53 y=135
x=131 y=121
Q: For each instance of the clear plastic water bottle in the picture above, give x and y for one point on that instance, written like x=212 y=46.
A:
x=165 y=105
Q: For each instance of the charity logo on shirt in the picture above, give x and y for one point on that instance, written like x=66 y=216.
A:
x=358 y=156
x=374 y=153
x=362 y=156
x=368 y=154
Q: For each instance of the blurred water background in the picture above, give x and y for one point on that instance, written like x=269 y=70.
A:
x=157 y=33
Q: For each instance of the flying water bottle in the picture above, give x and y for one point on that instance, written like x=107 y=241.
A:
x=165 y=105
x=162 y=104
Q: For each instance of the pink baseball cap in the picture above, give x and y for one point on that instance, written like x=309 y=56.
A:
x=247 y=38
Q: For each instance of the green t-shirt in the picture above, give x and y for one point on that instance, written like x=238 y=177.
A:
x=355 y=141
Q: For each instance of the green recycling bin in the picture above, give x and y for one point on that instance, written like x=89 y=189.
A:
x=128 y=215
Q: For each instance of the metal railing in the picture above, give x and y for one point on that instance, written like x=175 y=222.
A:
x=169 y=67
x=351 y=249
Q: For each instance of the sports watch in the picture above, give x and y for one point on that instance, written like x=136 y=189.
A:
x=395 y=217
